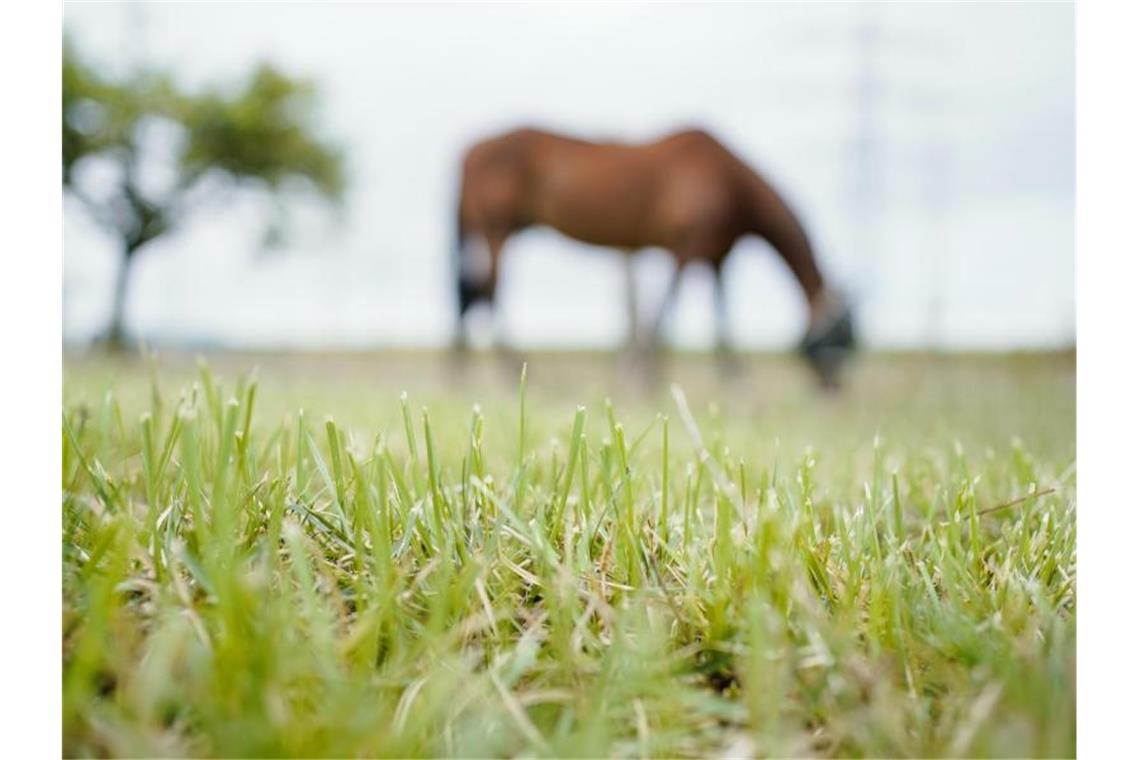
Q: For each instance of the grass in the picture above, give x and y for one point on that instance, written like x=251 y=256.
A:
x=735 y=568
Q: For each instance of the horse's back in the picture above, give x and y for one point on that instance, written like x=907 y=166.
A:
x=689 y=137
x=607 y=193
x=499 y=149
x=529 y=144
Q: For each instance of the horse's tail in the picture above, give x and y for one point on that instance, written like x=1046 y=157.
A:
x=459 y=236
x=466 y=291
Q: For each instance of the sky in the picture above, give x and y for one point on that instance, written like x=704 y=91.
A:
x=957 y=233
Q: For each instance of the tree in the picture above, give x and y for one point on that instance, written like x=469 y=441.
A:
x=258 y=135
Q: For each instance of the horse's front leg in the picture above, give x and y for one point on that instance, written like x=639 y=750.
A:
x=649 y=337
x=657 y=329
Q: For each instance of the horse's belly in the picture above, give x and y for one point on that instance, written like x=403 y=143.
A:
x=638 y=206
x=615 y=225
x=612 y=211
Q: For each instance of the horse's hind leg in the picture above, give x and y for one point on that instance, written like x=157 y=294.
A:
x=635 y=338
x=726 y=353
x=510 y=359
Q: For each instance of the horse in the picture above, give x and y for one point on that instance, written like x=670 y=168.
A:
x=685 y=192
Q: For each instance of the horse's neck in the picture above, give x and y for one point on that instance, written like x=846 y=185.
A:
x=773 y=219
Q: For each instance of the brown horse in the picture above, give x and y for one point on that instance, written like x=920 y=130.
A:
x=685 y=193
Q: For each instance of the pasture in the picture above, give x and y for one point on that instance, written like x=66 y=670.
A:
x=575 y=564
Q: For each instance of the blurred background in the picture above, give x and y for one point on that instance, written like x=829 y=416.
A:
x=297 y=188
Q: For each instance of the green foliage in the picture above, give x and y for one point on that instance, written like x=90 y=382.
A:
x=238 y=584
x=261 y=132
x=258 y=135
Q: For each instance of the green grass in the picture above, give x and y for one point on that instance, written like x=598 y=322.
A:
x=741 y=568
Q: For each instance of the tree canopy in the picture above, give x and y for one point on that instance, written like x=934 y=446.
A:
x=260 y=133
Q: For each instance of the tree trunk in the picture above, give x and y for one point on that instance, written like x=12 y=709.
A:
x=116 y=337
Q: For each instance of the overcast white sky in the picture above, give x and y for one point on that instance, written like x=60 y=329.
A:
x=977 y=253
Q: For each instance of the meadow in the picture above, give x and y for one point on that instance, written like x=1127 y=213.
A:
x=387 y=554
